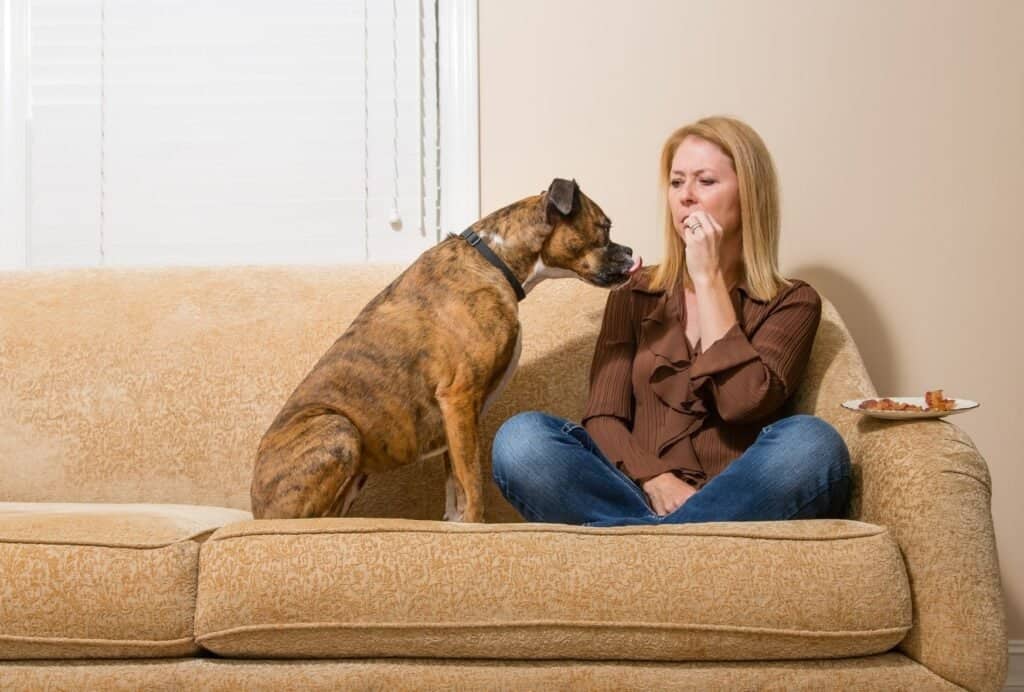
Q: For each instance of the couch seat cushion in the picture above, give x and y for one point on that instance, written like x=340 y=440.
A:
x=82 y=580
x=361 y=588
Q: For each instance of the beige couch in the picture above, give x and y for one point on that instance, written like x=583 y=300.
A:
x=131 y=403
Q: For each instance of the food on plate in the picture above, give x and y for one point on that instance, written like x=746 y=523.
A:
x=934 y=401
x=888 y=404
x=937 y=402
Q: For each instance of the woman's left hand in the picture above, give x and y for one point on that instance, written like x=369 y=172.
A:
x=667 y=493
x=703 y=238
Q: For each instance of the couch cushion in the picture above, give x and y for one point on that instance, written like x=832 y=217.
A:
x=101 y=580
x=356 y=587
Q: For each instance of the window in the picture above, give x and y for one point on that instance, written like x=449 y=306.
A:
x=235 y=131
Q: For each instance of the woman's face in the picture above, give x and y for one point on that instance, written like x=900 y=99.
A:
x=702 y=178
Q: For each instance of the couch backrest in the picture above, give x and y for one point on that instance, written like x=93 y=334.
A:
x=155 y=385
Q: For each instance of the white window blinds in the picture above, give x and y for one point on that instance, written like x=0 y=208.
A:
x=231 y=131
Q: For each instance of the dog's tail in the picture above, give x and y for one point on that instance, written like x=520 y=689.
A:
x=307 y=466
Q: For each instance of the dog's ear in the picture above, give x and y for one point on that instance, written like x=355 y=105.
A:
x=562 y=196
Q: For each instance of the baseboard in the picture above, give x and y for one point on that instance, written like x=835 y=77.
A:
x=1015 y=675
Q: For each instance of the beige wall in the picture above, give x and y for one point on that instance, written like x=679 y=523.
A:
x=898 y=130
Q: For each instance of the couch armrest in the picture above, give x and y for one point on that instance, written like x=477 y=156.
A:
x=928 y=484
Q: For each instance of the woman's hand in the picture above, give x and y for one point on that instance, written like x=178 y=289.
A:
x=667 y=493
x=703 y=238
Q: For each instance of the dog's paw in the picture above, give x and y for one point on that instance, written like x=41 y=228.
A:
x=453 y=515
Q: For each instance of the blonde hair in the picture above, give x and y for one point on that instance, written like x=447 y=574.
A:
x=759 y=206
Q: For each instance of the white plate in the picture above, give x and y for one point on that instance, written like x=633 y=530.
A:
x=961 y=406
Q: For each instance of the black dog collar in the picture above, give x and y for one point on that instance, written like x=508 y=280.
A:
x=473 y=239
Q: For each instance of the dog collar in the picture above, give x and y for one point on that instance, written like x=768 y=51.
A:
x=476 y=241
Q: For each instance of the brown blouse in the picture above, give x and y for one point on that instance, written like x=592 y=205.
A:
x=657 y=406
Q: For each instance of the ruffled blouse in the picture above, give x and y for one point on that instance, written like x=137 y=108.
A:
x=656 y=405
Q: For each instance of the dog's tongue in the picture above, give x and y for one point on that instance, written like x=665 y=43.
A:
x=637 y=264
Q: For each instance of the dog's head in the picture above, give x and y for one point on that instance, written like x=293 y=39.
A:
x=579 y=239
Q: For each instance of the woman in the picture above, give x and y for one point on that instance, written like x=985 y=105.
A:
x=694 y=362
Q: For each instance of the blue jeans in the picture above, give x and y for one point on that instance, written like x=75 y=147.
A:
x=551 y=470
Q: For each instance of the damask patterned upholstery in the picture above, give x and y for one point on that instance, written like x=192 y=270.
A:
x=340 y=588
x=139 y=396
x=100 y=580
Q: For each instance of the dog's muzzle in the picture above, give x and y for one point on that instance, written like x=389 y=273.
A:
x=616 y=267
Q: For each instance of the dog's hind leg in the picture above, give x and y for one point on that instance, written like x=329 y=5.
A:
x=307 y=467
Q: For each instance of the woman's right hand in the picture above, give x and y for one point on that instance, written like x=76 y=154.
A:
x=667 y=493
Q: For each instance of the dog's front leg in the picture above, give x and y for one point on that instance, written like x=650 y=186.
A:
x=461 y=427
x=454 y=498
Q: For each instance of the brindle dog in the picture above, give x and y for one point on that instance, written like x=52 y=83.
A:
x=411 y=376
